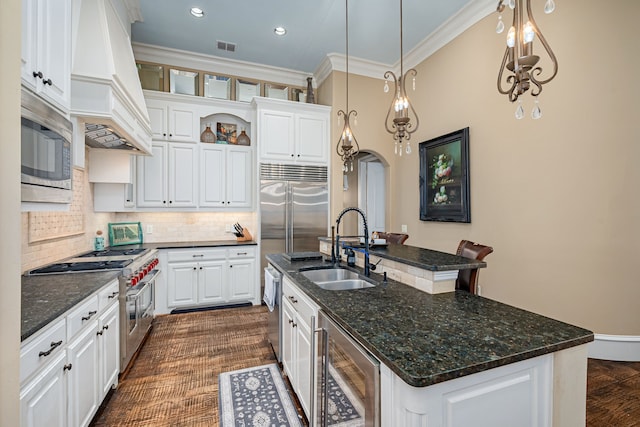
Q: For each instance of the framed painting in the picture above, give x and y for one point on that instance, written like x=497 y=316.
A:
x=444 y=178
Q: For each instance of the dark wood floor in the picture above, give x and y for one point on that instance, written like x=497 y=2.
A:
x=174 y=380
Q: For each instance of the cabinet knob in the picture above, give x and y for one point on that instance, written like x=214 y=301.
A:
x=37 y=74
x=170 y=201
x=200 y=268
x=164 y=134
x=164 y=201
x=195 y=268
x=292 y=155
x=67 y=367
x=298 y=155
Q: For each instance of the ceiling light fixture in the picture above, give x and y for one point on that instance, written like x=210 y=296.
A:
x=398 y=121
x=347 y=147
x=280 y=31
x=197 y=12
x=519 y=60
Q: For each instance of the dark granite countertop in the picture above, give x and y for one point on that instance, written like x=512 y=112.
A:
x=426 y=259
x=426 y=339
x=45 y=298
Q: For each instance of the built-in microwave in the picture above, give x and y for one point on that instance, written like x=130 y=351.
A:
x=46 y=152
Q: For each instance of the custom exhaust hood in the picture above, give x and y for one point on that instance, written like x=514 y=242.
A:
x=105 y=89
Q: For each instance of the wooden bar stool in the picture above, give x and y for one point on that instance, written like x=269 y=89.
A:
x=468 y=279
x=398 y=238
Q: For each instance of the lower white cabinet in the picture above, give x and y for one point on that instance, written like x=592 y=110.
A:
x=43 y=400
x=211 y=276
x=67 y=368
x=297 y=353
x=108 y=349
x=518 y=394
x=83 y=375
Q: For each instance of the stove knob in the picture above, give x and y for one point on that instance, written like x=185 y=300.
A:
x=147 y=269
x=140 y=275
x=134 y=281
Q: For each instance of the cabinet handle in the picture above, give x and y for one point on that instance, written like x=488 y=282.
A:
x=113 y=295
x=241 y=253
x=53 y=346
x=293 y=300
x=38 y=74
x=99 y=332
x=290 y=321
x=47 y=82
x=67 y=367
x=91 y=313
x=105 y=327
x=198 y=256
x=294 y=325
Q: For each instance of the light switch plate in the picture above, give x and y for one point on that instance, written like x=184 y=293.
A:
x=404 y=228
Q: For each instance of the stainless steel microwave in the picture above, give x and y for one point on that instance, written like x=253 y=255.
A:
x=46 y=152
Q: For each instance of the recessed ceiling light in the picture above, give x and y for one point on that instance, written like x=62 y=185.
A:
x=197 y=12
x=280 y=31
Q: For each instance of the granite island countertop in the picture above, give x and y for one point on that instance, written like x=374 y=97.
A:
x=427 y=259
x=427 y=339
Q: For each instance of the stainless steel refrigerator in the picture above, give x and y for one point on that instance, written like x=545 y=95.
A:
x=294 y=212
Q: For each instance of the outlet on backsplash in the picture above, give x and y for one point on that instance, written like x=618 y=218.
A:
x=149 y=229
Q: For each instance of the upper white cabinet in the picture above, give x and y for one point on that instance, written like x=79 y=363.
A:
x=226 y=176
x=167 y=178
x=292 y=132
x=173 y=121
x=46 y=50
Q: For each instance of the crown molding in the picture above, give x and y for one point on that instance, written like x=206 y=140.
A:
x=199 y=61
x=134 y=12
x=449 y=30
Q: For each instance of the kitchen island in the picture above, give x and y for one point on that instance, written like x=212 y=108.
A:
x=429 y=341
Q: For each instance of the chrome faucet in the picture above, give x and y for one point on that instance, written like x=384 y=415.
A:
x=336 y=257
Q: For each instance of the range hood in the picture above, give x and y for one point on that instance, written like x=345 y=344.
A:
x=105 y=89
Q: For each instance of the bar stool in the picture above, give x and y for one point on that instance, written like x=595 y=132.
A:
x=398 y=238
x=468 y=279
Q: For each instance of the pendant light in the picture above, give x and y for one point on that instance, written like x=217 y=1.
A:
x=398 y=120
x=347 y=147
x=519 y=61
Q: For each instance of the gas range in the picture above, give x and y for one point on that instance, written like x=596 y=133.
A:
x=129 y=261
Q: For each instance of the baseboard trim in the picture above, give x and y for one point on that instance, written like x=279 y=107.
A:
x=622 y=348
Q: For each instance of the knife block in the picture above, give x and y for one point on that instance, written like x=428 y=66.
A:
x=247 y=236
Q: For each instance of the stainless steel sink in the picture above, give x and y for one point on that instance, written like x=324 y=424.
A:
x=345 y=285
x=330 y=275
x=336 y=279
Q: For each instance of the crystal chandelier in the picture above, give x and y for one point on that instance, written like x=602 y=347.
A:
x=519 y=60
x=347 y=147
x=398 y=121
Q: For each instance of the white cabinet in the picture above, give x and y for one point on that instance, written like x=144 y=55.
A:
x=226 y=176
x=168 y=177
x=298 y=315
x=518 y=394
x=83 y=385
x=46 y=49
x=43 y=401
x=108 y=350
x=211 y=276
x=67 y=367
x=172 y=121
x=292 y=132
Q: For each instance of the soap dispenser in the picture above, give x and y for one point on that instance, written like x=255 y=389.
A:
x=351 y=257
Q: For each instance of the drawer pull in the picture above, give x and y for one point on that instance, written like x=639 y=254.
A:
x=293 y=300
x=113 y=295
x=53 y=346
x=198 y=256
x=91 y=313
x=67 y=367
x=241 y=253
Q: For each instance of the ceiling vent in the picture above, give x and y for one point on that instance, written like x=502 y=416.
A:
x=229 y=47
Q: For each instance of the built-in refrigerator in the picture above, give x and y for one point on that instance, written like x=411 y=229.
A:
x=294 y=212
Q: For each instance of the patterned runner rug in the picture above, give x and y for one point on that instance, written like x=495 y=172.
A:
x=256 y=397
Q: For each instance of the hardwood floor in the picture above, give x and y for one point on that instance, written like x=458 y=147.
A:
x=174 y=381
x=613 y=394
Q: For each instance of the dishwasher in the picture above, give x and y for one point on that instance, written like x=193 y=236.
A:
x=273 y=279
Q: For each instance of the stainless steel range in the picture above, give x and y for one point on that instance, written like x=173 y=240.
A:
x=139 y=271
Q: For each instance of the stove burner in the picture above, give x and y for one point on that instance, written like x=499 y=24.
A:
x=70 y=267
x=113 y=252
